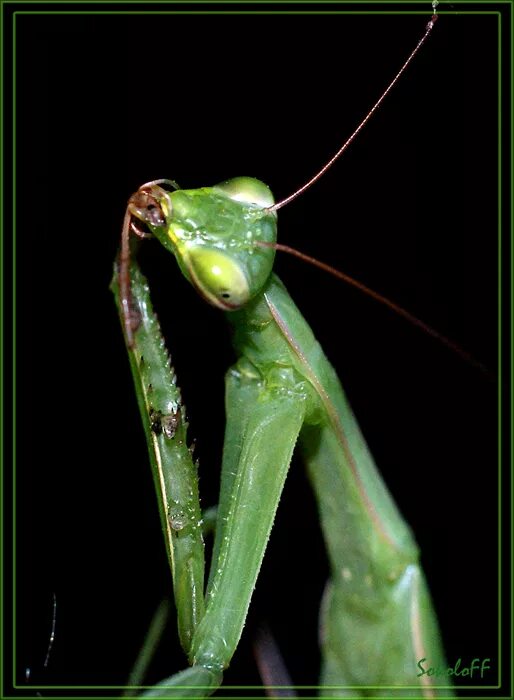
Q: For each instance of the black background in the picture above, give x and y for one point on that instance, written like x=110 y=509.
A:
x=105 y=103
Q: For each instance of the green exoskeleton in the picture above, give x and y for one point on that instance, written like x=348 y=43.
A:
x=281 y=390
x=377 y=620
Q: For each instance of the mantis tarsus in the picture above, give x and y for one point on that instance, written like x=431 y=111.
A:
x=288 y=225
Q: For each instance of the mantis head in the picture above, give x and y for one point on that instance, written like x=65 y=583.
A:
x=213 y=234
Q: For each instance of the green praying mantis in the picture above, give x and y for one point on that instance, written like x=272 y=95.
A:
x=377 y=622
x=427 y=242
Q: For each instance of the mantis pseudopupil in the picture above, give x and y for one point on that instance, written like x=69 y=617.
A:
x=365 y=230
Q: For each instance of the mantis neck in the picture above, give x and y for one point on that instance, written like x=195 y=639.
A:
x=274 y=343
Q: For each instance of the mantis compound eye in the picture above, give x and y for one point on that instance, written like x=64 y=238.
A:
x=219 y=278
x=248 y=190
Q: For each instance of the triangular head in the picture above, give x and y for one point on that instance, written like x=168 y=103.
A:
x=212 y=232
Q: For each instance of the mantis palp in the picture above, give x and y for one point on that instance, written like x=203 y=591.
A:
x=335 y=226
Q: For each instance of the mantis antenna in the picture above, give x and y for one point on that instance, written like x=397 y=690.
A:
x=130 y=317
x=450 y=344
x=341 y=275
x=368 y=116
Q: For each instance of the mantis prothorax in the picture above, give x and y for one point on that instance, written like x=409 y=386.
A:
x=377 y=620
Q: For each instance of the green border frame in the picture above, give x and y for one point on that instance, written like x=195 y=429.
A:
x=32 y=4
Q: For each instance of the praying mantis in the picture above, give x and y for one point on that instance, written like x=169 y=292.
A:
x=377 y=623
x=176 y=301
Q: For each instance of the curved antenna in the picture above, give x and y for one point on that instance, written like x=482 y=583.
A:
x=130 y=316
x=124 y=279
x=368 y=116
x=160 y=181
x=450 y=344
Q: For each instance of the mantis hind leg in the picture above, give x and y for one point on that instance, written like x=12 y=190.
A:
x=377 y=620
x=377 y=651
